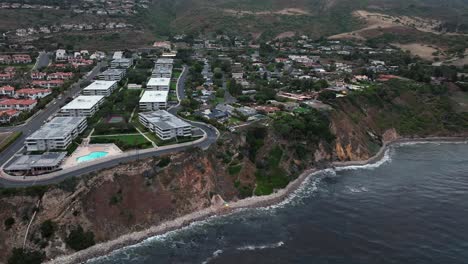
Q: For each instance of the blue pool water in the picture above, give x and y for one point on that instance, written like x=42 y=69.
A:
x=92 y=156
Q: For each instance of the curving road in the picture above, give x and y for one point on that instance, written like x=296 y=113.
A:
x=211 y=135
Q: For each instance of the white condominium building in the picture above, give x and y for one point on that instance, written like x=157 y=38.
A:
x=56 y=134
x=158 y=84
x=104 y=88
x=162 y=72
x=122 y=63
x=83 y=105
x=165 y=125
x=112 y=75
x=164 y=62
x=153 y=100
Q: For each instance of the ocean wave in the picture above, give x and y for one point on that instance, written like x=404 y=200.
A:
x=387 y=157
x=419 y=142
x=357 y=189
x=215 y=254
x=307 y=188
x=260 y=247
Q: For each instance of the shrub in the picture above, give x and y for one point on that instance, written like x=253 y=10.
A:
x=48 y=229
x=234 y=170
x=23 y=256
x=164 y=162
x=78 y=239
x=9 y=222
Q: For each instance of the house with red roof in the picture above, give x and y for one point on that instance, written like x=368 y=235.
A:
x=7 y=90
x=77 y=62
x=48 y=84
x=387 y=77
x=7 y=115
x=21 y=58
x=6 y=76
x=38 y=75
x=60 y=76
x=5 y=59
x=18 y=104
x=33 y=93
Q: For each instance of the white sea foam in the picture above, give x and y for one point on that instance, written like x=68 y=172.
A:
x=412 y=143
x=386 y=158
x=306 y=189
x=260 y=247
x=215 y=254
x=357 y=189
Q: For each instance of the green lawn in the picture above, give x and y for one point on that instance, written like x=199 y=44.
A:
x=124 y=142
x=176 y=74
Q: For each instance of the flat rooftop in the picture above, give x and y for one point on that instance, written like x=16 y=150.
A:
x=27 y=162
x=57 y=128
x=159 y=82
x=112 y=72
x=159 y=69
x=100 y=85
x=154 y=97
x=122 y=60
x=164 y=119
x=165 y=61
x=83 y=102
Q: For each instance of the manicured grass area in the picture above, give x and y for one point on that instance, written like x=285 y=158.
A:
x=173 y=86
x=124 y=142
x=6 y=139
x=173 y=141
x=176 y=74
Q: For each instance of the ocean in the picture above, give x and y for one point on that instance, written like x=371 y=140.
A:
x=411 y=207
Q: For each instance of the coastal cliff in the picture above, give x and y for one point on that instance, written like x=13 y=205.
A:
x=255 y=160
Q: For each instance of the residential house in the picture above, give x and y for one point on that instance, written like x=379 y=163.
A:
x=7 y=91
x=18 y=104
x=33 y=93
x=7 y=115
x=21 y=58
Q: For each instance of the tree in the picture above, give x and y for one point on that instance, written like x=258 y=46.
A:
x=47 y=228
x=9 y=222
x=25 y=256
x=78 y=239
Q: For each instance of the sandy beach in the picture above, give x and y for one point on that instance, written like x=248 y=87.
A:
x=252 y=202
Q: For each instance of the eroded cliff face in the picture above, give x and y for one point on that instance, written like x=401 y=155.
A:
x=114 y=202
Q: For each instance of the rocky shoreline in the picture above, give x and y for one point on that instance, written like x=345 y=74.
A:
x=224 y=209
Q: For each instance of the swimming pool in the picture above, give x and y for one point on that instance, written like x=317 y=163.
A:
x=92 y=156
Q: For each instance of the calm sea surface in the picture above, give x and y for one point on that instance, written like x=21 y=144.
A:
x=412 y=208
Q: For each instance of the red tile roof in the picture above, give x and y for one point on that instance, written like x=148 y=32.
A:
x=7 y=88
x=18 y=102
x=9 y=112
x=32 y=91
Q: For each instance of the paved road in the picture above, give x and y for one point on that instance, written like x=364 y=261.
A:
x=228 y=98
x=38 y=120
x=211 y=137
x=42 y=60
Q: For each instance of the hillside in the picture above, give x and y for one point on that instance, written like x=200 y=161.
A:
x=253 y=161
x=265 y=20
